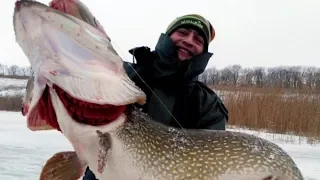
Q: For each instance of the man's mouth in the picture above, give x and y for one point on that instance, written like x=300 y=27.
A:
x=185 y=52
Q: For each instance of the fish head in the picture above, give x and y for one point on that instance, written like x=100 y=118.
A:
x=72 y=7
x=74 y=63
x=79 y=10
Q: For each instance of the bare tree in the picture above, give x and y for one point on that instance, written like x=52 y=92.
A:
x=259 y=76
x=295 y=77
x=235 y=73
x=13 y=70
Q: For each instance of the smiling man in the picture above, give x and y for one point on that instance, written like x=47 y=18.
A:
x=170 y=73
x=169 y=77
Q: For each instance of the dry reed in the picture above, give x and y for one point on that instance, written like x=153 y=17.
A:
x=274 y=110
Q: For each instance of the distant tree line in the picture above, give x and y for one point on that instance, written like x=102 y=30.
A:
x=15 y=71
x=296 y=77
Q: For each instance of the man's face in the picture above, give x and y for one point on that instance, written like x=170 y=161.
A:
x=188 y=42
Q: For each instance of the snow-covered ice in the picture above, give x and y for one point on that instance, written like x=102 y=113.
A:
x=12 y=87
x=23 y=152
x=4 y=82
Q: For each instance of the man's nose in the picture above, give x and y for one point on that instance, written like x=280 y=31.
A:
x=188 y=40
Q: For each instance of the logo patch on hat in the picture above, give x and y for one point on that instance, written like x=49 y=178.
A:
x=194 y=22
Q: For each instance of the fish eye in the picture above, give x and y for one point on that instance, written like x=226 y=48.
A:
x=95 y=22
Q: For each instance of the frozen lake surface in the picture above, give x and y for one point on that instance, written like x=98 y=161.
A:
x=12 y=87
x=23 y=152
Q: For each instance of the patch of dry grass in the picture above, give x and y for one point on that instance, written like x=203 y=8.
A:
x=271 y=109
x=10 y=103
x=274 y=110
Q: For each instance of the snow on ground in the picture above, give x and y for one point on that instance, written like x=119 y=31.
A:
x=225 y=94
x=13 y=82
x=23 y=152
x=12 y=87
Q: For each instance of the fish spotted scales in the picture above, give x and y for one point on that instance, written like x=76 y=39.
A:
x=166 y=152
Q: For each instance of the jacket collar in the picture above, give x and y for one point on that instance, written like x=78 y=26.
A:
x=167 y=66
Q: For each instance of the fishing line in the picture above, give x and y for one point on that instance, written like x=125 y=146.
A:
x=183 y=129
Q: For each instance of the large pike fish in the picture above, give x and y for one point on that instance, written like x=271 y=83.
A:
x=79 y=10
x=81 y=89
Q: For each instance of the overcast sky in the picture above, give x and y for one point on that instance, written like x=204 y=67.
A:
x=248 y=32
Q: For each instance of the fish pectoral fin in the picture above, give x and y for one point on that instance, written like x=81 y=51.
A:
x=62 y=166
x=43 y=127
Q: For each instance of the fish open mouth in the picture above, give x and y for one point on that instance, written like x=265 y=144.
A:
x=77 y=61
x=80 y=111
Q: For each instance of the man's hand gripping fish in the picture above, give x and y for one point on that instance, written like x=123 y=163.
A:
x=81 y=89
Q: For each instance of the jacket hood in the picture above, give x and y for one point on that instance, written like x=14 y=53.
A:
x=166 y=64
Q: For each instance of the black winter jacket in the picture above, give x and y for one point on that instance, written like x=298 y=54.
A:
x=184 y=101
x=182 y=97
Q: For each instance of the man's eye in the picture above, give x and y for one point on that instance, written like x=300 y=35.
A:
x=183 y=32
x=199 y=40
